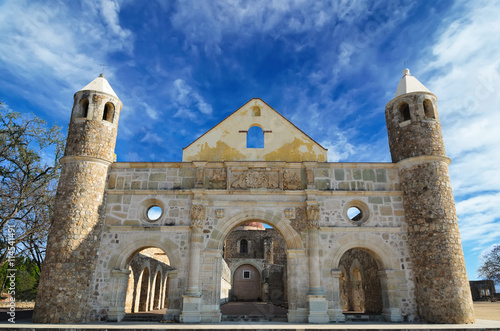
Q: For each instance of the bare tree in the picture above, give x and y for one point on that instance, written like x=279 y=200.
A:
x=29 y=169
x=490 y=268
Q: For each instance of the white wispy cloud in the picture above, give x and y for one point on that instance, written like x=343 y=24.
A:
x=56 y=44
x=152 y=137
x=186 y=98
x=338 y=148
x=465 y=75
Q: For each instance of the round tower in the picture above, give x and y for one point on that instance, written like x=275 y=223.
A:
x=65 y=289
x=416 y=144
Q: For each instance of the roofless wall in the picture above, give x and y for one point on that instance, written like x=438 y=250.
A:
x=255 y=132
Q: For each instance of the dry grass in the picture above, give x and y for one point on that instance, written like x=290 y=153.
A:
x=487 y=310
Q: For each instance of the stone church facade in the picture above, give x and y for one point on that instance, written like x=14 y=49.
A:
x=377 y=238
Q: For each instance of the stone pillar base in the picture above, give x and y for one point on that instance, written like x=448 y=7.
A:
x=172 y=315
x=211 y=316
x=191 y=308
x=116 y=314
x=318 y=307
x=392 y=315
x=336 y=315
x=298 y=315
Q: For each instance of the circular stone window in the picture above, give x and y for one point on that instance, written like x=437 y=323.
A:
x=154 y=213
x=357 y=212
x=151 y=211
x=354 y=214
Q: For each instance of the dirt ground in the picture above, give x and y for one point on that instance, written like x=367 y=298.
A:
x=487 y=310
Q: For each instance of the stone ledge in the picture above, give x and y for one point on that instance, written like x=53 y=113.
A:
x=369 y=229
x=143 y=228
x=253 y=192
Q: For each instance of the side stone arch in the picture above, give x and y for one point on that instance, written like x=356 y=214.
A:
x=118 y=265
x=390 y=274
x=271 y=217
x=127 y=250
x=382 y=253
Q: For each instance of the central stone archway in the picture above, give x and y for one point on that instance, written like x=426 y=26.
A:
x=271 y=217
x=296 y=269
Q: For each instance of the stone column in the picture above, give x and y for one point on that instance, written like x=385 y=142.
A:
x=313 y=250
x=297 y=286
x=119 y=283
x=173 y=296
x=316 y=295
x=191 y=307
x=390 y=298
x=212 y=262
x=336 y=311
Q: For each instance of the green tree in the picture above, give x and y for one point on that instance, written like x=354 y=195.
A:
x=29 y=170
x=490 y=267
x=27 y=276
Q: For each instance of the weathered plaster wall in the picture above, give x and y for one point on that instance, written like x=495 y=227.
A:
x=227 y=141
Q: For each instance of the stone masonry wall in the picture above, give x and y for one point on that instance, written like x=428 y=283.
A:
x=134 y=187
x=356 y=178
x=65 y=290
x=257 y=240
x=72 y=246
x=442 y=286
x=92 y=138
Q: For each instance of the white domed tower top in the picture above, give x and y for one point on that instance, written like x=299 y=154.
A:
x=413 y=122
x=94 y=121
x=100 y=84
x=409 y=84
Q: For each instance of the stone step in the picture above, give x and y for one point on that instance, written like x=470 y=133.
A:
x=142 y=318
x=361 y=317
x=254 y=318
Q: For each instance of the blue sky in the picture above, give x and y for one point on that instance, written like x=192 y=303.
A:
x=330 y=67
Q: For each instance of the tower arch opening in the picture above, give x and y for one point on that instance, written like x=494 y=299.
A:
x=109 y=112
x=428 y=109
x=404 y=112
x=84 y=108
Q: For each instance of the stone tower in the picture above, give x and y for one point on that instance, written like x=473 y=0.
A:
x=416 y=144
x=65 y=291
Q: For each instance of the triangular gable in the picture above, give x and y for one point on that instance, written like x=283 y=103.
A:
x=227 y=141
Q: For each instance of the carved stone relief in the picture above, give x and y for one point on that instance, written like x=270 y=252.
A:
x=197 y=215
x=312 y=216
x=256 y=179
x=217 y=179
x=291 y=180
x=290 y=213
x=219 y=213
